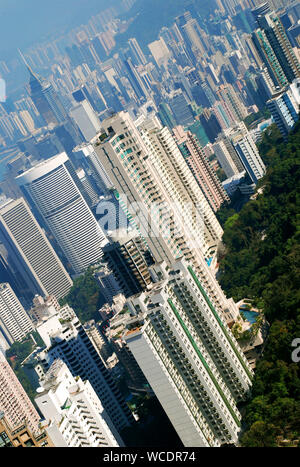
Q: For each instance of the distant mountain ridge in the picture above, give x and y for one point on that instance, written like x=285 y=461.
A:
x=26 y=22
x=152 y=15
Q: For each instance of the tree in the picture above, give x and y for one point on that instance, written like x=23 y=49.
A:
x=260 y=435
x=262 y=262
x=85 y=297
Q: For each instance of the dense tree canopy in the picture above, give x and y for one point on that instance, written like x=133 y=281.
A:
x=261 y=262
x=85 y=297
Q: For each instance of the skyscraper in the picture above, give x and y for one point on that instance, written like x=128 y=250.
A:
x=150 y=188
x=179 y=185
x=189 y=357
x=14 y=401
x=15 y=324
x=137 y=51
x=136 y=82
x=188 y=39
x=39 y=99
x=284 y=107
x=201 y=168
x=126 y=258
x=231 y=103
x=160 y=51
x=85 y=154
x=192 y=33
x=210 y=124
x=54 y=102
x=51 y=188
x=227 y=157
x=45 y=98
x=274 y=47
x=34 y=263
x=86 y=119
x=248 y=152
x=180 y=108
x=82 y=94
x=74 y=413
x=166 y=116
x=71 y=344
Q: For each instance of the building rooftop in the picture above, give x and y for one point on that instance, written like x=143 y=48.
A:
x=130 y=332
x=42 y=168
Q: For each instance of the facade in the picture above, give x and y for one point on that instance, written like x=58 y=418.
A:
x=231 y=103
x=137 y=51
x=201 y=168
x=166 y=116
x=70 y=341
x=21 y=436
x=284 y=107
x=37 y=267
x=160 y=51
x=86 y=155
x=14 y=401
x=152 y=189
x=193 y=33
x=181 y=109
x=54 y=102
x=74 y=414
x=51 y=188
x=189 y=357
x=39 y=99
x=126 y=257
x=248 y=153
x=15 y=324
x=86 y=119
x=227 y=157
x=179 y=185
x=91 y=192
x=274 y=47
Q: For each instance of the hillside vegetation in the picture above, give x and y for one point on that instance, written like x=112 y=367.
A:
x=262 y=263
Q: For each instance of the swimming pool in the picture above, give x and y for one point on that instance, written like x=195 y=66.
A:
x=250 y=316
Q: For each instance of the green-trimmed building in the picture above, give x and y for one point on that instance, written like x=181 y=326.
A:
x=189 y=357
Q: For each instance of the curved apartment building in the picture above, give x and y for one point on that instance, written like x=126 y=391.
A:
x=51 y=187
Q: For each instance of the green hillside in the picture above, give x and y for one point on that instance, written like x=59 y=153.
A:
x=262 y=263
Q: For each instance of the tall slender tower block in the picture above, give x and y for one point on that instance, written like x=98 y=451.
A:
x=157 y=190
x=189 y=357
x=27 y=246
x=274 y=47
x=14 y=321
x=201 y=168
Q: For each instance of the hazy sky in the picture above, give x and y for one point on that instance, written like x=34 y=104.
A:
x=23 y=22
